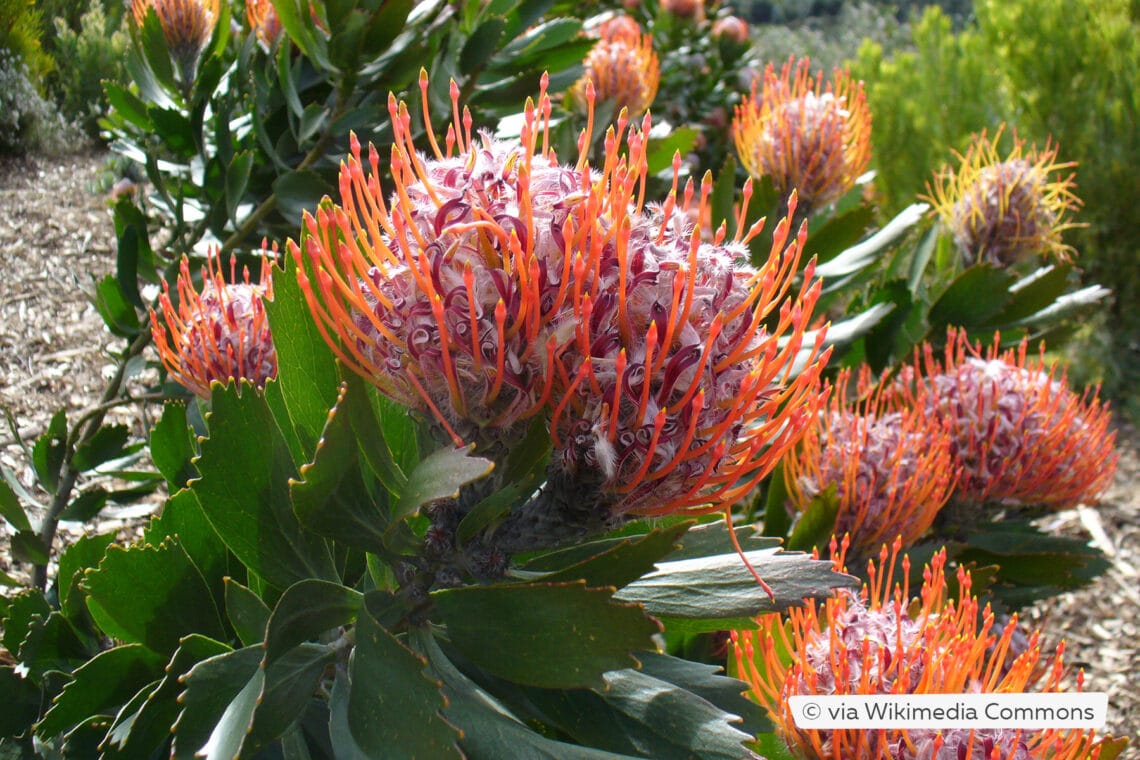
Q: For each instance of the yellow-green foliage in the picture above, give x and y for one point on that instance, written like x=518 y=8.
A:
x=1065 y=69
x=85 y=59
x=926 y=102
x=20 y=33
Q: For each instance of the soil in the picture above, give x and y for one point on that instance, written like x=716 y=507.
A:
x=57 y=234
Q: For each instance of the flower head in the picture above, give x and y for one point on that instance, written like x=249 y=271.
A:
x=805 y=135
x=1006 y=210
x=263 y=22
x=732 y=28
x=497 y=285
x=187 y=26
x=1018 y=434
x=875 y=642
x=684 y=8
x=890 y=466
x=622 y=67
x=219 y=333
x=448 y=295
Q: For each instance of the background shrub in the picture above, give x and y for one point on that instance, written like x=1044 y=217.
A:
x=28 y=121
x=86 y=55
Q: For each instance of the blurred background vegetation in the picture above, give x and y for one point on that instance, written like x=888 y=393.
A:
x=936 y=73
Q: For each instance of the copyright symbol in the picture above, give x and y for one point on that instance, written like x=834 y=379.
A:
x=811 y=711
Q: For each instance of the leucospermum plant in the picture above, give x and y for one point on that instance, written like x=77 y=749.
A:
x=399 y=544
x=803 y=133
x=1004 y=210
x=219 y=333
x=622 y=66
x=879 y=641
x=888 y=463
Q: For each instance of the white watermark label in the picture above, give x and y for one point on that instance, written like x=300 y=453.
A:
x=1053 y=710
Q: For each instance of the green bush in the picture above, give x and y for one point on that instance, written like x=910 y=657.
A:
x=831 y=40
x=20 y=33
x=28 y=122
x=84 y=59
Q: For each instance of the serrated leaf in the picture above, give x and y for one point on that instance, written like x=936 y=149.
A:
x=440 y=475
x=489 y=729
x=99 y=687
x=85 y=553
x=247 y=613
x=210 y=688
x=29 y=547
x=134 y=589
x=719 y=592
x=510 y=631
x=291 y=682
x=331 y=499
x=816 y=524
x=141 y=731
x=182 y=517
x=22 y=608
x=22 y=700
x=243 y=490
x=393 y=707
x=172 y=445
x=772 y=747
x=52 y=643
x=305 y=610
x=306 y=369
x=711 y=683
x=713 y=539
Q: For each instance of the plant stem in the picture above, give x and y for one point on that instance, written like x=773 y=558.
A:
x=83 y=432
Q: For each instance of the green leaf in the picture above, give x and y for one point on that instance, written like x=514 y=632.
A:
x=306 y=368
x=247 y=613
x=22 y=700
x=30 y=548
x=776 y=518
x=511 y=631
x=85 y=506
x=22 y=608
x=816 y=524
x=134 y=590
x=114 y=308
x=226 y=740
x=709 y=682
x=82 y=555
x=624 y=562
x=393 y=707
x=440 y=475
x=140 y=729
x=245 y=469
x=713 y=539
x=127 y=105
x=306 y=610
x=182 y=517
x=11 y=510
x=48 y=452
x=840 y=232
x=724 y=196
x=106 y=444
x=52 y=643
x=660 y=152
x=385 y=26
x=772 y=747
x=718 y=592
x=291 y=682
x=921 y=259
x=298 y=192
x=480 y=46
x=489 y=729
x=211 y=687
x=99 y=687
x=331 y=499
x=973 y=298
x=172 y=445
x=237 y=180
x=155 y=50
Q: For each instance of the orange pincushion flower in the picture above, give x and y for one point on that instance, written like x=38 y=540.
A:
x=890 y=465
x=1006 y=210
x=806 y=136
x=187 y=26
x=497 y=285
x=1018 y=434
x=219 y=333
x=879 y=642
x=622 y=66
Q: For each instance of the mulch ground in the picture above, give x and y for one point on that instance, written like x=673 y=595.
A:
x=56 y=234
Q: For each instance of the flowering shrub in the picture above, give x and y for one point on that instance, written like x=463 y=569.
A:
x=877 y=642
x=622 y=67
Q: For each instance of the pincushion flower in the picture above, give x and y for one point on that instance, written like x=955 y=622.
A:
x=622 y=67
x=263 y=22
x=495 y=286
x=448 y=295
x=733 y=28
x=805 y=135
x=219 y=333
x=890 y=465
x=187 y=26
x=879 y=642
x=1006 y=210
x=1018 y=434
